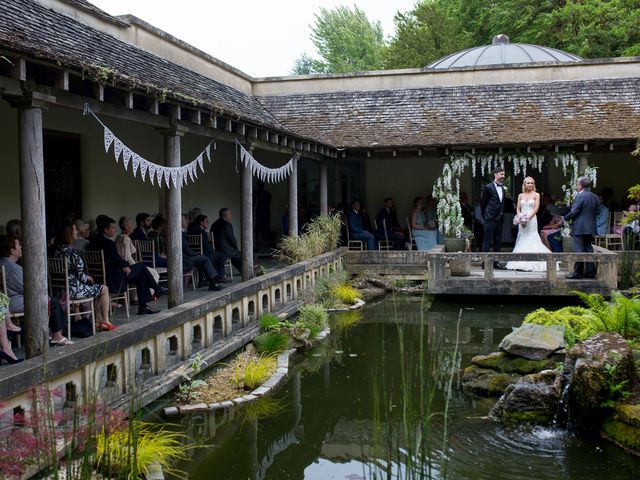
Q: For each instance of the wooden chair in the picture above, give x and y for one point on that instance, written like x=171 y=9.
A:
x=385 y=244
x=59 y=286
x=15 y=317
x=195 y=242
x=146 y=251
x=354 y=245
x=412 y=241
x=612 y=240
x=94 y=266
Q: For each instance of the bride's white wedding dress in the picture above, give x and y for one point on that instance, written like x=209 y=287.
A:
x=528 y=241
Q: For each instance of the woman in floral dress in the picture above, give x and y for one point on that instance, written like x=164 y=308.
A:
x=82 y=285
x=6 y=353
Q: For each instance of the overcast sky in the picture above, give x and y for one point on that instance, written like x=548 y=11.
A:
x=260 y=37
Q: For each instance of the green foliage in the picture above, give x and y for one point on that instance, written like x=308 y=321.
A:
x=321 y=236
x=129 y=453
x=269 y=321
x=621 y=315
x=325 y=287
x=272 y=342
x=346 y=294
x=616 y=388
x=314 y=315
x=255 y=372
x=186 y=390
x=346 y=41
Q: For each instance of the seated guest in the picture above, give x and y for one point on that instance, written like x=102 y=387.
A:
x=550 y=234
x=467 y=215
x=192 y=259
x=544 y=214
x=125 y=246
x=10 y=253
x=386 y=228
x=119 y=272
x=631 y=230
x=143 y=222
x=366 y=219
x=6 y=352
x=425 y=235
x=357 y=231
x=224 y=239
x=83 y=235
x=157 y=228
x=82 y=285
x=602 y=219
x=14 y=229
x=200 y=226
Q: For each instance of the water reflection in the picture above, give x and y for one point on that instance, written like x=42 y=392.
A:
x=370 y=403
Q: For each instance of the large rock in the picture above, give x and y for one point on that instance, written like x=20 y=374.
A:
x=599 y=364
x=506 y=363
x=486 y=382
x=534 y=398
x=623 y=427
x=534 y=342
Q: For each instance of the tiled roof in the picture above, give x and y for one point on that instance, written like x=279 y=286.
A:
x=564 y=111
x=30 y=28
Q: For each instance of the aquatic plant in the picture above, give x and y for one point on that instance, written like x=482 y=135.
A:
x=314 y=315
x=326 y=286
x=272 y=342
x=346 y=294
x=255 y=372
x=132 y=452
x=187 y=389
x=269 y=321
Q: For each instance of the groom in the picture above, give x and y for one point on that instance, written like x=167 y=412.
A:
x=492 y=208
x=584 y=210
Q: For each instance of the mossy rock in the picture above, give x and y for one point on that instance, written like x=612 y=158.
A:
x=623 y=434
x=629 y=414
x=504 y=363
x=486 y=382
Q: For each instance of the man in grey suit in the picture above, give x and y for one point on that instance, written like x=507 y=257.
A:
x=584 y=211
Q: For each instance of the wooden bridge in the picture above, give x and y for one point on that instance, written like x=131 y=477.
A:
x=482 y=278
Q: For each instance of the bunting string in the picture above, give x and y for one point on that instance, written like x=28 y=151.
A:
x=267 y=175
x=172 y=177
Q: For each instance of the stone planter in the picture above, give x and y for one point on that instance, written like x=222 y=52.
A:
x=459 y=268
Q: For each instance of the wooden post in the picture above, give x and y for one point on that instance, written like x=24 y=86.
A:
x=247 y=221
x=34 y=243
x=174 y=221
x=324 y=202
x=293 y=201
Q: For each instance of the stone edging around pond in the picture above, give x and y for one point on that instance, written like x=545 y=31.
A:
x=359 y=304
x=282 y=369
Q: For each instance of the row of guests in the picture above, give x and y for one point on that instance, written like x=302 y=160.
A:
x=423 y=224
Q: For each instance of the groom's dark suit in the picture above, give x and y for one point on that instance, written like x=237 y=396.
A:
x=584 y=210
x=492 y=208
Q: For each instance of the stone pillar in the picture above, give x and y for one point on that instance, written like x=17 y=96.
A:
x=247 y=221
x=32 y=211
x=174 y=221
x=293 y=200
x=324 y=197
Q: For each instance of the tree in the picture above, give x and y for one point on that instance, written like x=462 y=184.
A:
x=346 y=41
x=428 y=32
x=304 y=65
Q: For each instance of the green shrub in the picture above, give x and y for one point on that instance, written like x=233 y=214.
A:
x=268 y=321
x=325 y=287
x=578 y=325
x=346 y=294
x=256 y=372
x=321 y=236
x=314 y=315
x=272 y=342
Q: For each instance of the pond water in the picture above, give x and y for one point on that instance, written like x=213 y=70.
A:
x=383 y=399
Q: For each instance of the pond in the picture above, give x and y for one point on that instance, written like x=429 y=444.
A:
x=383 y=399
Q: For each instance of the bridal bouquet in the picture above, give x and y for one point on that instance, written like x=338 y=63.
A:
x=521 y=219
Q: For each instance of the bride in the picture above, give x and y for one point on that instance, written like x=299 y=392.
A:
x=528 y=240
